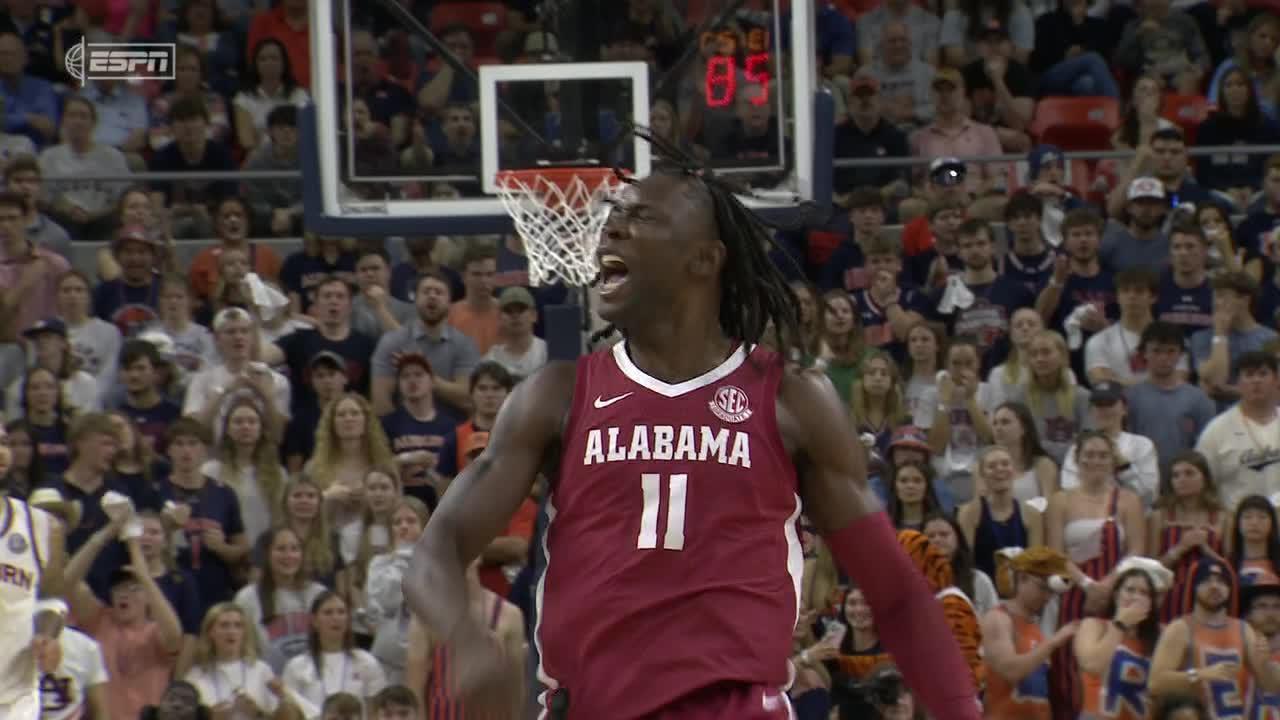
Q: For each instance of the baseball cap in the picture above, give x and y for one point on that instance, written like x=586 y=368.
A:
x=947 y=171
x=516 y=296
x=1146 y=187
x=910 y=436
x=330 y=358
x=1106 y=393
x=47 y=325
x=1042 y=155
x=477 y=442
x=948 y=75
x=120 y=576
x=864 y=83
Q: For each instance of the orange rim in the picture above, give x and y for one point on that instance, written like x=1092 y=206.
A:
x=560 y=177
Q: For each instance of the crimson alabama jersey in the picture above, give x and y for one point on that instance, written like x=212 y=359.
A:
x=673 y=561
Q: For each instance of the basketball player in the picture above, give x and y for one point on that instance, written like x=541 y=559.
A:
x=1210 y=654
x=678 y=460
x=31 y=552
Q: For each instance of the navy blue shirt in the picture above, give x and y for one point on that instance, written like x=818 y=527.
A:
x=51 y=443
x=130 y=308
x=987 y=320
x=300 y=433
x=1267 y=308
x=1249 y=234
x=92 y=519
x=875 y=324
x=1189 y=308
x=301 y=346
x=1079 y=290
x=179 y=588
x=153 y=422
x=212 y=506
x=216 y=158
x=1032 y=271
x=846 y=269
x=409 y=434
x=301 y=272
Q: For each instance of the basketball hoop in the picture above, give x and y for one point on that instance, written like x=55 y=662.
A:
x=559 y=213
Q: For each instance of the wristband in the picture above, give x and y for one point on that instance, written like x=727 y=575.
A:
x=1193 y=676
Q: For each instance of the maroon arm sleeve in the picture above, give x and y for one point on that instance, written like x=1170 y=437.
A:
x=908 y=618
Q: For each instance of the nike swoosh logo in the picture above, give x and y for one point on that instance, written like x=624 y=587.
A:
x=602 y=403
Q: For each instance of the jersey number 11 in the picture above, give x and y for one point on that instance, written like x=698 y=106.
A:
x=673 y=539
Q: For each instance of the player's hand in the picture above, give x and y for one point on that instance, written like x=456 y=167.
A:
x=1095 y=320
x=1192 y=538
x=245 y=704
x=118 y=514
x=214 y=539
x=482 y=672
x=179 y=513
x=823 y=651
x=376 y=295
x=276 y=687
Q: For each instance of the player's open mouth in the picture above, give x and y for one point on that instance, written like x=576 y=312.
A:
x=613 y=273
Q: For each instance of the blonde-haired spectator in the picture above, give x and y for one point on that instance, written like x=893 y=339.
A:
x=230 y=677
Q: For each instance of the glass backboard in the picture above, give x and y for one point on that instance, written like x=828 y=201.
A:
x=417 y=109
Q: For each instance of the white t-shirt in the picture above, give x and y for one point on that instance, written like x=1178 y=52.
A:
x=520 y=366
x=65 y=691
x=255 y=506
x=208 y=382
x=1142 y=476
x=1116 y=349
x=355 y=672
x=219 y=684
x=1244 y=456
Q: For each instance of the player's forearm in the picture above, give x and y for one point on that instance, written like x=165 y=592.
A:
x=910 y=619
x=435 y=584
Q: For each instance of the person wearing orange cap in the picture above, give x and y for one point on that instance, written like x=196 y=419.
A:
x=1014 y=648
x=1209 y=653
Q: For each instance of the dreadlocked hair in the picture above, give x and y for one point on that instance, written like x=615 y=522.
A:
x=755 y=296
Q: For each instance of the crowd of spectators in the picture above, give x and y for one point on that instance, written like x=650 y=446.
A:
x=1059 y=383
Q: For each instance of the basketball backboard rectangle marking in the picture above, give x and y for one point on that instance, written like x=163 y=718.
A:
x=491 y=75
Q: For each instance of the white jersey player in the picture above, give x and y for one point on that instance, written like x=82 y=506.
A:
x=30 y=547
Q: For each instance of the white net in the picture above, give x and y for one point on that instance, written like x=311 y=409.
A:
x=560 y=222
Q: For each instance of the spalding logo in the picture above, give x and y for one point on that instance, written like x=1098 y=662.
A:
x=730 y=404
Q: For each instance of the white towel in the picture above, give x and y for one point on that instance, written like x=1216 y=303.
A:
x=268 y=300
x=956 y=296
x=1075 y=334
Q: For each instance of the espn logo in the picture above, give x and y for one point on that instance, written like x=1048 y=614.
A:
x=87 y=61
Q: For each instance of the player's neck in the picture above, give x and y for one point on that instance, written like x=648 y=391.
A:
x=676 y=349
x=1189 y=279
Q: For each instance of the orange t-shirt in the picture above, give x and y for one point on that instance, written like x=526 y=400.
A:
x=479 y=325
x=203 y=275
x=137 y=662
x=1029 y=699
x=521 y=525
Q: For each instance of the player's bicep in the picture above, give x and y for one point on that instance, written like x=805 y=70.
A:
x=831 y=462
x=482 y=499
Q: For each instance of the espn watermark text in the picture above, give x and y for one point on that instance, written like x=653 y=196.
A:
x=87 y=61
